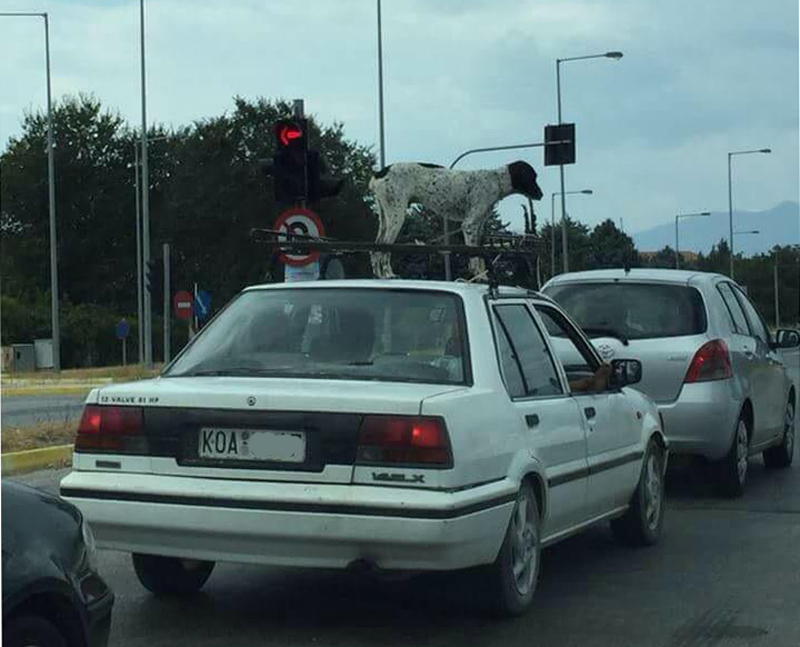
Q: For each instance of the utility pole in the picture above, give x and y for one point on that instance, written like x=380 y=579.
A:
x=167 y=299
x=777 y=293
x=139 y=303
x=147 y=305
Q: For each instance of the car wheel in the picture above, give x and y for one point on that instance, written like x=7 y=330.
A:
x=171 y=575
x=513 y=576
x=642 y=523
x=782 y=455
x=732 y=470
x=32 y=631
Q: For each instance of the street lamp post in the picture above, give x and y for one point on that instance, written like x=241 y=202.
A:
x=51 y=188
x=730 y=194
x=677 y=244
x=613 y=55
x=148 y=331
x=381 y=133
x=553 y=225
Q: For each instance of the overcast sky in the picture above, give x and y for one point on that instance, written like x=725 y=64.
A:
x=699 y=78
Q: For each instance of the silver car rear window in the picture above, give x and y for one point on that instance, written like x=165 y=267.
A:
x=633 y=310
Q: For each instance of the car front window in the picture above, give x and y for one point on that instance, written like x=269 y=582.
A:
x=392 y=335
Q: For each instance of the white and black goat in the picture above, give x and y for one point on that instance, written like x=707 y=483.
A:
x=461 y=196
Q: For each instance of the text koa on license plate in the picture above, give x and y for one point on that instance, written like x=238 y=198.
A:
x=252 y=445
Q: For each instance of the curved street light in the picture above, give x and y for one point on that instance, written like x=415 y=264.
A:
x=730 y=192
x=677 y=245
x=614 y=55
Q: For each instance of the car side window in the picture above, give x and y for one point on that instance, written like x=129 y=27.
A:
x=538 y=370
x=737 y=318
x=512 y=371
x=753 y=317
x=578 y=361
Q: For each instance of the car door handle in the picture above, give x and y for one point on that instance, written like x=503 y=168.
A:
x=590 y=412
x=532 y=419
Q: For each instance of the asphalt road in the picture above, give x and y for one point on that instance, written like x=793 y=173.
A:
x=726 y=574
x=27 y=410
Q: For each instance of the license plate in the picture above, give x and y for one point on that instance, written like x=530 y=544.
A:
x=252 y=445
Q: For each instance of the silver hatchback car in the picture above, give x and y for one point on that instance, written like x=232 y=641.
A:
x=710 y=362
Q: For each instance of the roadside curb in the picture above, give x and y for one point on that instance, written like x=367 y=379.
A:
x=36 y=459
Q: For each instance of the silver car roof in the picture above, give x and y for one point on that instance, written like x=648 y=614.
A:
x=638 y=275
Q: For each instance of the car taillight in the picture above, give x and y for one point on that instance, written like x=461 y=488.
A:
x=404 y=440
x=111 y=429
x=711 y=362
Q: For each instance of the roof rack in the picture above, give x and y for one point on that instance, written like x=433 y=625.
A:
x=497 y=250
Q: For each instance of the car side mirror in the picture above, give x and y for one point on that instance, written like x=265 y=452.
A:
x=625 y=372
x=787 y=338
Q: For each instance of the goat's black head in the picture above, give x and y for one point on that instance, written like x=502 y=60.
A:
x=523 y=180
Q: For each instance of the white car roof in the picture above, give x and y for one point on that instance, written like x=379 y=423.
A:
x=457 y=287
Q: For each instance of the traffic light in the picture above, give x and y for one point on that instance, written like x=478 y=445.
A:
x=290 y=166
x=321 y=185
x=559 y=154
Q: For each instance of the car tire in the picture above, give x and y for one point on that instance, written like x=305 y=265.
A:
x=782 y=455
x=643 y=522
x=511 y=579
x=32 y=631
x=732 y=470
x=171 y=575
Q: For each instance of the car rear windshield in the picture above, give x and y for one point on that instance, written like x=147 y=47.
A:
x=334 y=333
x=633 y=310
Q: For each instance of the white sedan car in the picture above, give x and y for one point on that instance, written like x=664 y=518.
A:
x=388 y=425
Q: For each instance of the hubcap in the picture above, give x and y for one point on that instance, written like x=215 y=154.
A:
x=524 y=542
x=789 y=430
x=652 y=493
x=741 y=451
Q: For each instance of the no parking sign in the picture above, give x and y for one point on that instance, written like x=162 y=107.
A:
x=299 y=221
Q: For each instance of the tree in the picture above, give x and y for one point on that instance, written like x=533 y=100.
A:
x=610 y=247
x=578 y=246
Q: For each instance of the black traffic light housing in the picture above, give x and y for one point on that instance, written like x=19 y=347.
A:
x=290 y=166
x=320 y=185
x=559 y=154
x=154 y=279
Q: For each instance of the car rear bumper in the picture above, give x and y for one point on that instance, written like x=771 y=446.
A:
x=702 y=420
x=308 y=525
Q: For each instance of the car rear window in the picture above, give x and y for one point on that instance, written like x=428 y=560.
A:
x=334 y=333
x=633 y=310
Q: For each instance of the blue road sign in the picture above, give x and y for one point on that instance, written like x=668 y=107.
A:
x=122 y=328
x=202 y=304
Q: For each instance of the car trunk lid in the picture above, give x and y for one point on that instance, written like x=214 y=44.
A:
x=196 y=426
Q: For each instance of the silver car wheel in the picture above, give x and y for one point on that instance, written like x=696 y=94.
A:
x=788 y=433
x=653 y=493
x=524 y=541
x=741 y=451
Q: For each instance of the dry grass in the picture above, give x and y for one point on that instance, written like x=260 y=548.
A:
x=43 y=434
x=116 y=373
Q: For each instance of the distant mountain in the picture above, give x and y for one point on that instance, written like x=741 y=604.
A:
x=777 y=226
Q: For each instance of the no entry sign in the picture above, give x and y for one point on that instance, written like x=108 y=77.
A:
x=183 y=303
x=297 y=220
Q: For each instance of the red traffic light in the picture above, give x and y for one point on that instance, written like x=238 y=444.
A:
x=288 y=133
